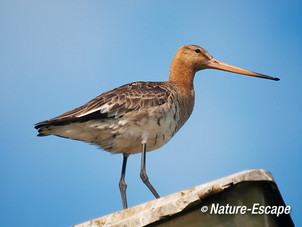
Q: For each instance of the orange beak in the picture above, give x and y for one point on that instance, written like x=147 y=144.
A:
x=214 y=64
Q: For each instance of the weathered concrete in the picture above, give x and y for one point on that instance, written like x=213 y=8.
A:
x=153 y=211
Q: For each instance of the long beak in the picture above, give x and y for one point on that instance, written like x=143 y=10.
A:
x=214 y=64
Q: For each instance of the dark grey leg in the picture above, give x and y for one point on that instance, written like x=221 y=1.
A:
x=122 y=184
x=143 y=173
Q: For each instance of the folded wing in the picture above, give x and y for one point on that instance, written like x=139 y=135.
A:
x=115 y=104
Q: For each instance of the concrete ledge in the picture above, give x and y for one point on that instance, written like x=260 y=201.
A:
x=156 y=210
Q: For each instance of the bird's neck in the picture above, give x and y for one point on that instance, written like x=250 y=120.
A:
x=182 y=74
x=181 y=77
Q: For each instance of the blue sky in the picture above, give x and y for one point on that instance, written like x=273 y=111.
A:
x=57 y=55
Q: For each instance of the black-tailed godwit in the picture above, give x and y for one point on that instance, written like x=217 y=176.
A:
x=141 y=116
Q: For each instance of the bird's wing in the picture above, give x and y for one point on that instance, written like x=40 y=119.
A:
x=117 y=102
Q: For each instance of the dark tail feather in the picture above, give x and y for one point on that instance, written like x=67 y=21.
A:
x=41 y=128
x=44 y=125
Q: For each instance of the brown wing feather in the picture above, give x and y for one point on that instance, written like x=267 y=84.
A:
x=116 y=103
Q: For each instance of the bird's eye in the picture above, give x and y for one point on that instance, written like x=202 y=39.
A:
x=197 y=51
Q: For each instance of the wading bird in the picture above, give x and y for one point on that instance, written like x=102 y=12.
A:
x=141 y=116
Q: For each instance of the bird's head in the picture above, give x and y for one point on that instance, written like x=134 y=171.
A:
x=192 y=58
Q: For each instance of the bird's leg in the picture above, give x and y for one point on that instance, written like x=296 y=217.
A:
x=122 y=184
x=143 y=173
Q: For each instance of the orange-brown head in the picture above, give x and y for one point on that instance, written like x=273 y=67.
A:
x=190 y=58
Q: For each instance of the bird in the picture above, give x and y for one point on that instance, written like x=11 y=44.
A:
x=141 y=116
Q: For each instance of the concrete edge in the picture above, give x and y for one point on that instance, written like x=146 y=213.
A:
x=153 y=211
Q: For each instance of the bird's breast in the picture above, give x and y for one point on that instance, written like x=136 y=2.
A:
x=155 y=127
